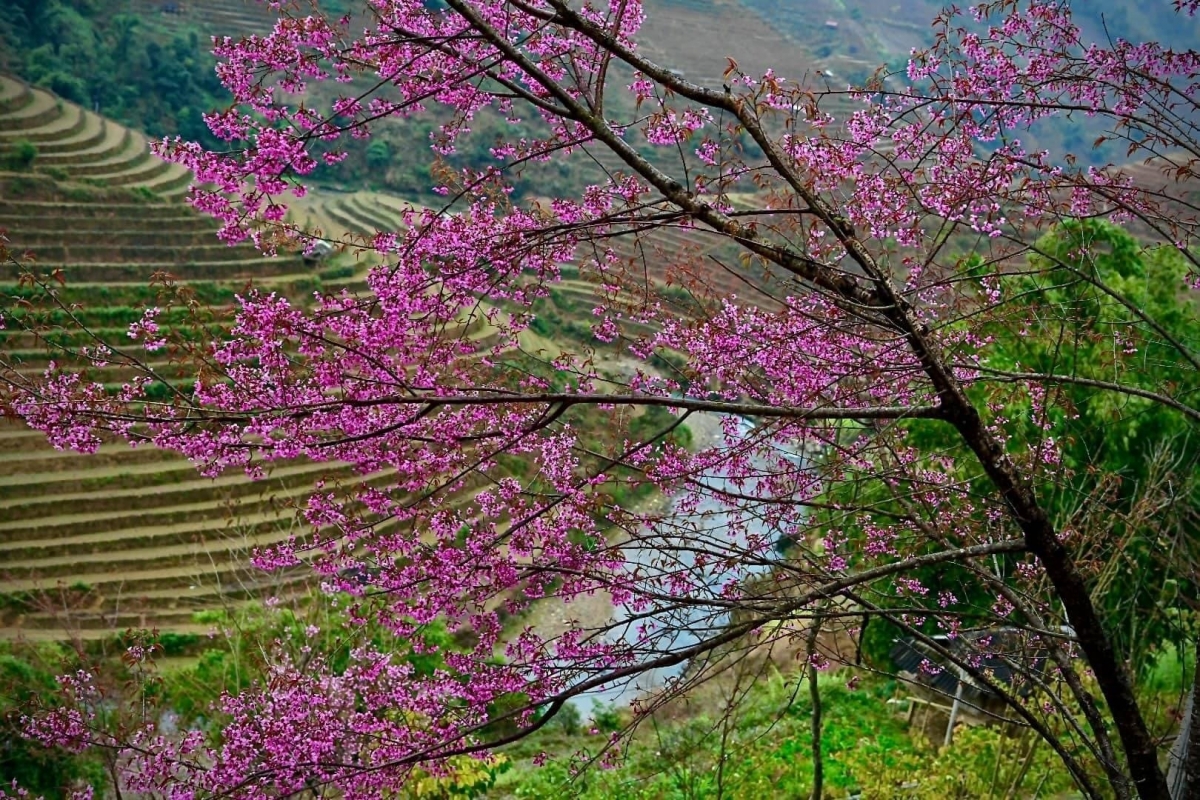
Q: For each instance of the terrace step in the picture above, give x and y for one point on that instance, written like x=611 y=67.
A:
x=206 y=597
x=108 y=236
x=109 y=272
x=130 y=586
x=101 y=623
x=111 y=141
x=59 y=634
x=115 y=530
x=130 y=154
x=172 y=182
x=52 y=249
x=146 y=171
x=68 y=131
x=124 y=491
x=160 y=566
x=381 y=216
x=195 y=542
x=83 y=144
x=13 y=94
x=42 y=108
x=22 y=464
x=347 y=220
x=119 y=618
x=106 y=210
x=175 y=610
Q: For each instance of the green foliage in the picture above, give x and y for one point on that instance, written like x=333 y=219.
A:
x=379 y=154
x=568 y=720
x=606 y=718
x=982 y=762
x=146 y=76
x=124 y=64
x=763 y=748
x=78 y=193
x=1055 y=318
x=1113 y=443
x=557 y=316
x=178 y=644
x=21 y=185
x=27 y=681
x=19 y=156
x=1171 y=668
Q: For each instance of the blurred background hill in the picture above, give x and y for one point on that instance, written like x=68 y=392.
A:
x=146 y=64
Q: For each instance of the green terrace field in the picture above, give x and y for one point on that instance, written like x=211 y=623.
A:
x=212 y=17
x=127 y=536
x=91 y=545
x=72 y=142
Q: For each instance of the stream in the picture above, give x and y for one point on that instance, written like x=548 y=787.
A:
x=715 y=527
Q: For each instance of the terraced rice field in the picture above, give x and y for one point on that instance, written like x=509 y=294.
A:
x=130 y=537
x=212 y=17
x=126 y=537
x=359 y=214
x=73 y=141
x=137 y=534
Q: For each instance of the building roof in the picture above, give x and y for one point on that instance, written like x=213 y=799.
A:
x=1004 y=653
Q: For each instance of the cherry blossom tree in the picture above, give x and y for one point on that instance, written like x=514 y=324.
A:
x=841 y=267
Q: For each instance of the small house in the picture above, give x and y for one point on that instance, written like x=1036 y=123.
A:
x=967 y=684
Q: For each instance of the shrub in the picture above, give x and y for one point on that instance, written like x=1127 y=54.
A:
x=177 y=644
x=335 y=273
x=66 y=85
x=79 y=194
x=20 y=156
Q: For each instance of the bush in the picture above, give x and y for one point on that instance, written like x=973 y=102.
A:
x=569 y=720
x=335 y=273
x=21 y=155
x=606 y=718
x=66 y=85
x=178 y=644
x=79 y=194
x=27 y=680
x=379 y=154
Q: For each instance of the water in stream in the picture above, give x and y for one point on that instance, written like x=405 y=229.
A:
x=711 y=528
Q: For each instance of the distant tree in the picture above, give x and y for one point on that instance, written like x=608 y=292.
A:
x=925 y=421
x=86 y=54
x=379 y=154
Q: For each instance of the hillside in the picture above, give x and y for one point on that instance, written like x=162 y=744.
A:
x=73 y=142
x=135 y=534
x=134 y=537
x=212 y=17
x=129 y=537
